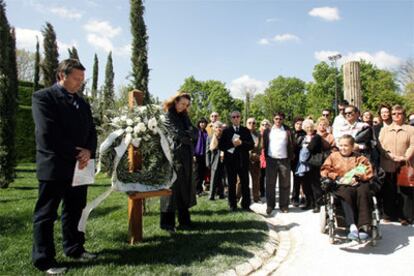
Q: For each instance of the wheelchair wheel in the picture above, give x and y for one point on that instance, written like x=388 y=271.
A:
x=323 y=220
x=375 y=235
x=331 y=233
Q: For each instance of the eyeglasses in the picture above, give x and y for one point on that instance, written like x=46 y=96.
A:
x=397 y=113
x=235 y=116
x=214 y=116
x=325 y=115
x=349 y=113
x=253 y=123
x=264 y=124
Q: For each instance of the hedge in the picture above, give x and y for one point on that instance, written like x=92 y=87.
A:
x=25 y=135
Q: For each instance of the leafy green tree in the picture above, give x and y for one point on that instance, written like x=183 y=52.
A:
x=51 y=55
x=8 y=99
x=108 y=101
x=284 y=94
x=378 y=86
x=321 y=92
x=36 y=75
x=95 y=77
x=139 y=57
x=209 y=96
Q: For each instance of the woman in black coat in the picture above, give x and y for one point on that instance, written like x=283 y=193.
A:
x=182 y=135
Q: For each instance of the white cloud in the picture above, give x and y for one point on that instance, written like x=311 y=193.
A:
x=326 y=13
x=102 y=28
x=240 y=86
x=381 y=59
x=65 y=13
x=270 y=20
x=124 y=50
x=264 y=41
x=63 y=47
x=280 y=38
x=26 y=39
x=323 y=55
x=285 y=38
x=100 y=42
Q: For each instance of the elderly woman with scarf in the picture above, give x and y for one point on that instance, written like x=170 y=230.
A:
x=182 y=134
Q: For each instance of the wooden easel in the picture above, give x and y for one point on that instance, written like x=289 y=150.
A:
x=136 y=200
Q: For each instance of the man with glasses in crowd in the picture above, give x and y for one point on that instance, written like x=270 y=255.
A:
x=351 y=126
x=326 y=113
x=236 y=142
x=278 y=149
x=254 y=165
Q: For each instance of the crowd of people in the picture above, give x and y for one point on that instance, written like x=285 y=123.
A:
x=225 y=155
x=219 y=158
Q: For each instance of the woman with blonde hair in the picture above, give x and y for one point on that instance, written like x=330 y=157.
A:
x=182 y=135
x=328 y=140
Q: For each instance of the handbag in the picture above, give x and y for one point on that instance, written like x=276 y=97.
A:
x=317 y=159
x=405 y=175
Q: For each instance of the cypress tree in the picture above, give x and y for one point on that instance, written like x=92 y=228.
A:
x=73 y=53
x=36 y=77
x=108 y=91
x=139 y=57
x=51 y=59
x=95 y=77
x=8 y=99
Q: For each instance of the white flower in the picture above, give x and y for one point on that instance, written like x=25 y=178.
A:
x=162 y=118
x=141 y=127
x=129 y=122
x=136 y=129
x=137 y=119
x=115 y=120
x=124 y=118
x=135 y=142
x=129 y=129
x=152 y=124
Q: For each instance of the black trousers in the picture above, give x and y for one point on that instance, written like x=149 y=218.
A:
x=216 y=181
x=312 y=187
x=392 y=201
x=356 y=202
x=200 y=172
x=232 y=171
x=262 y=182
x=51 y=193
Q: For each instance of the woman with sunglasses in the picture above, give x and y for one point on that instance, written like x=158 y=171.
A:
x=397 y=147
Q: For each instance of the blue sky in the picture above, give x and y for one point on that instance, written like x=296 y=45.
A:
x=242 y=43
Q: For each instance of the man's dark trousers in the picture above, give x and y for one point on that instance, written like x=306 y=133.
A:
x=51 y=193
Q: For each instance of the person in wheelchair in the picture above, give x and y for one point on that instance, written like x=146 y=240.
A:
x=351 y=171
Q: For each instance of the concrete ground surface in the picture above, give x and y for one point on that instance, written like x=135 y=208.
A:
x=310 y=253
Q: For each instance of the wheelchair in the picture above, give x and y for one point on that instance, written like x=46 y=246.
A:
x=332 y=216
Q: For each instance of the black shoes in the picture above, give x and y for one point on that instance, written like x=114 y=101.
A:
x=269 y=210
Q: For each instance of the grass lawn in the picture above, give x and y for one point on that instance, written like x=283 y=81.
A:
x=219 y=240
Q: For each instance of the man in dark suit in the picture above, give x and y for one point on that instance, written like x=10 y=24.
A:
x=236 y=142
x=65 y=133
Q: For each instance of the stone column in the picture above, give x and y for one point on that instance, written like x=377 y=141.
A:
x=352 y=83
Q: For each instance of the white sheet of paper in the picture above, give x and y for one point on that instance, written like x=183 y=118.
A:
x=86 y=175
